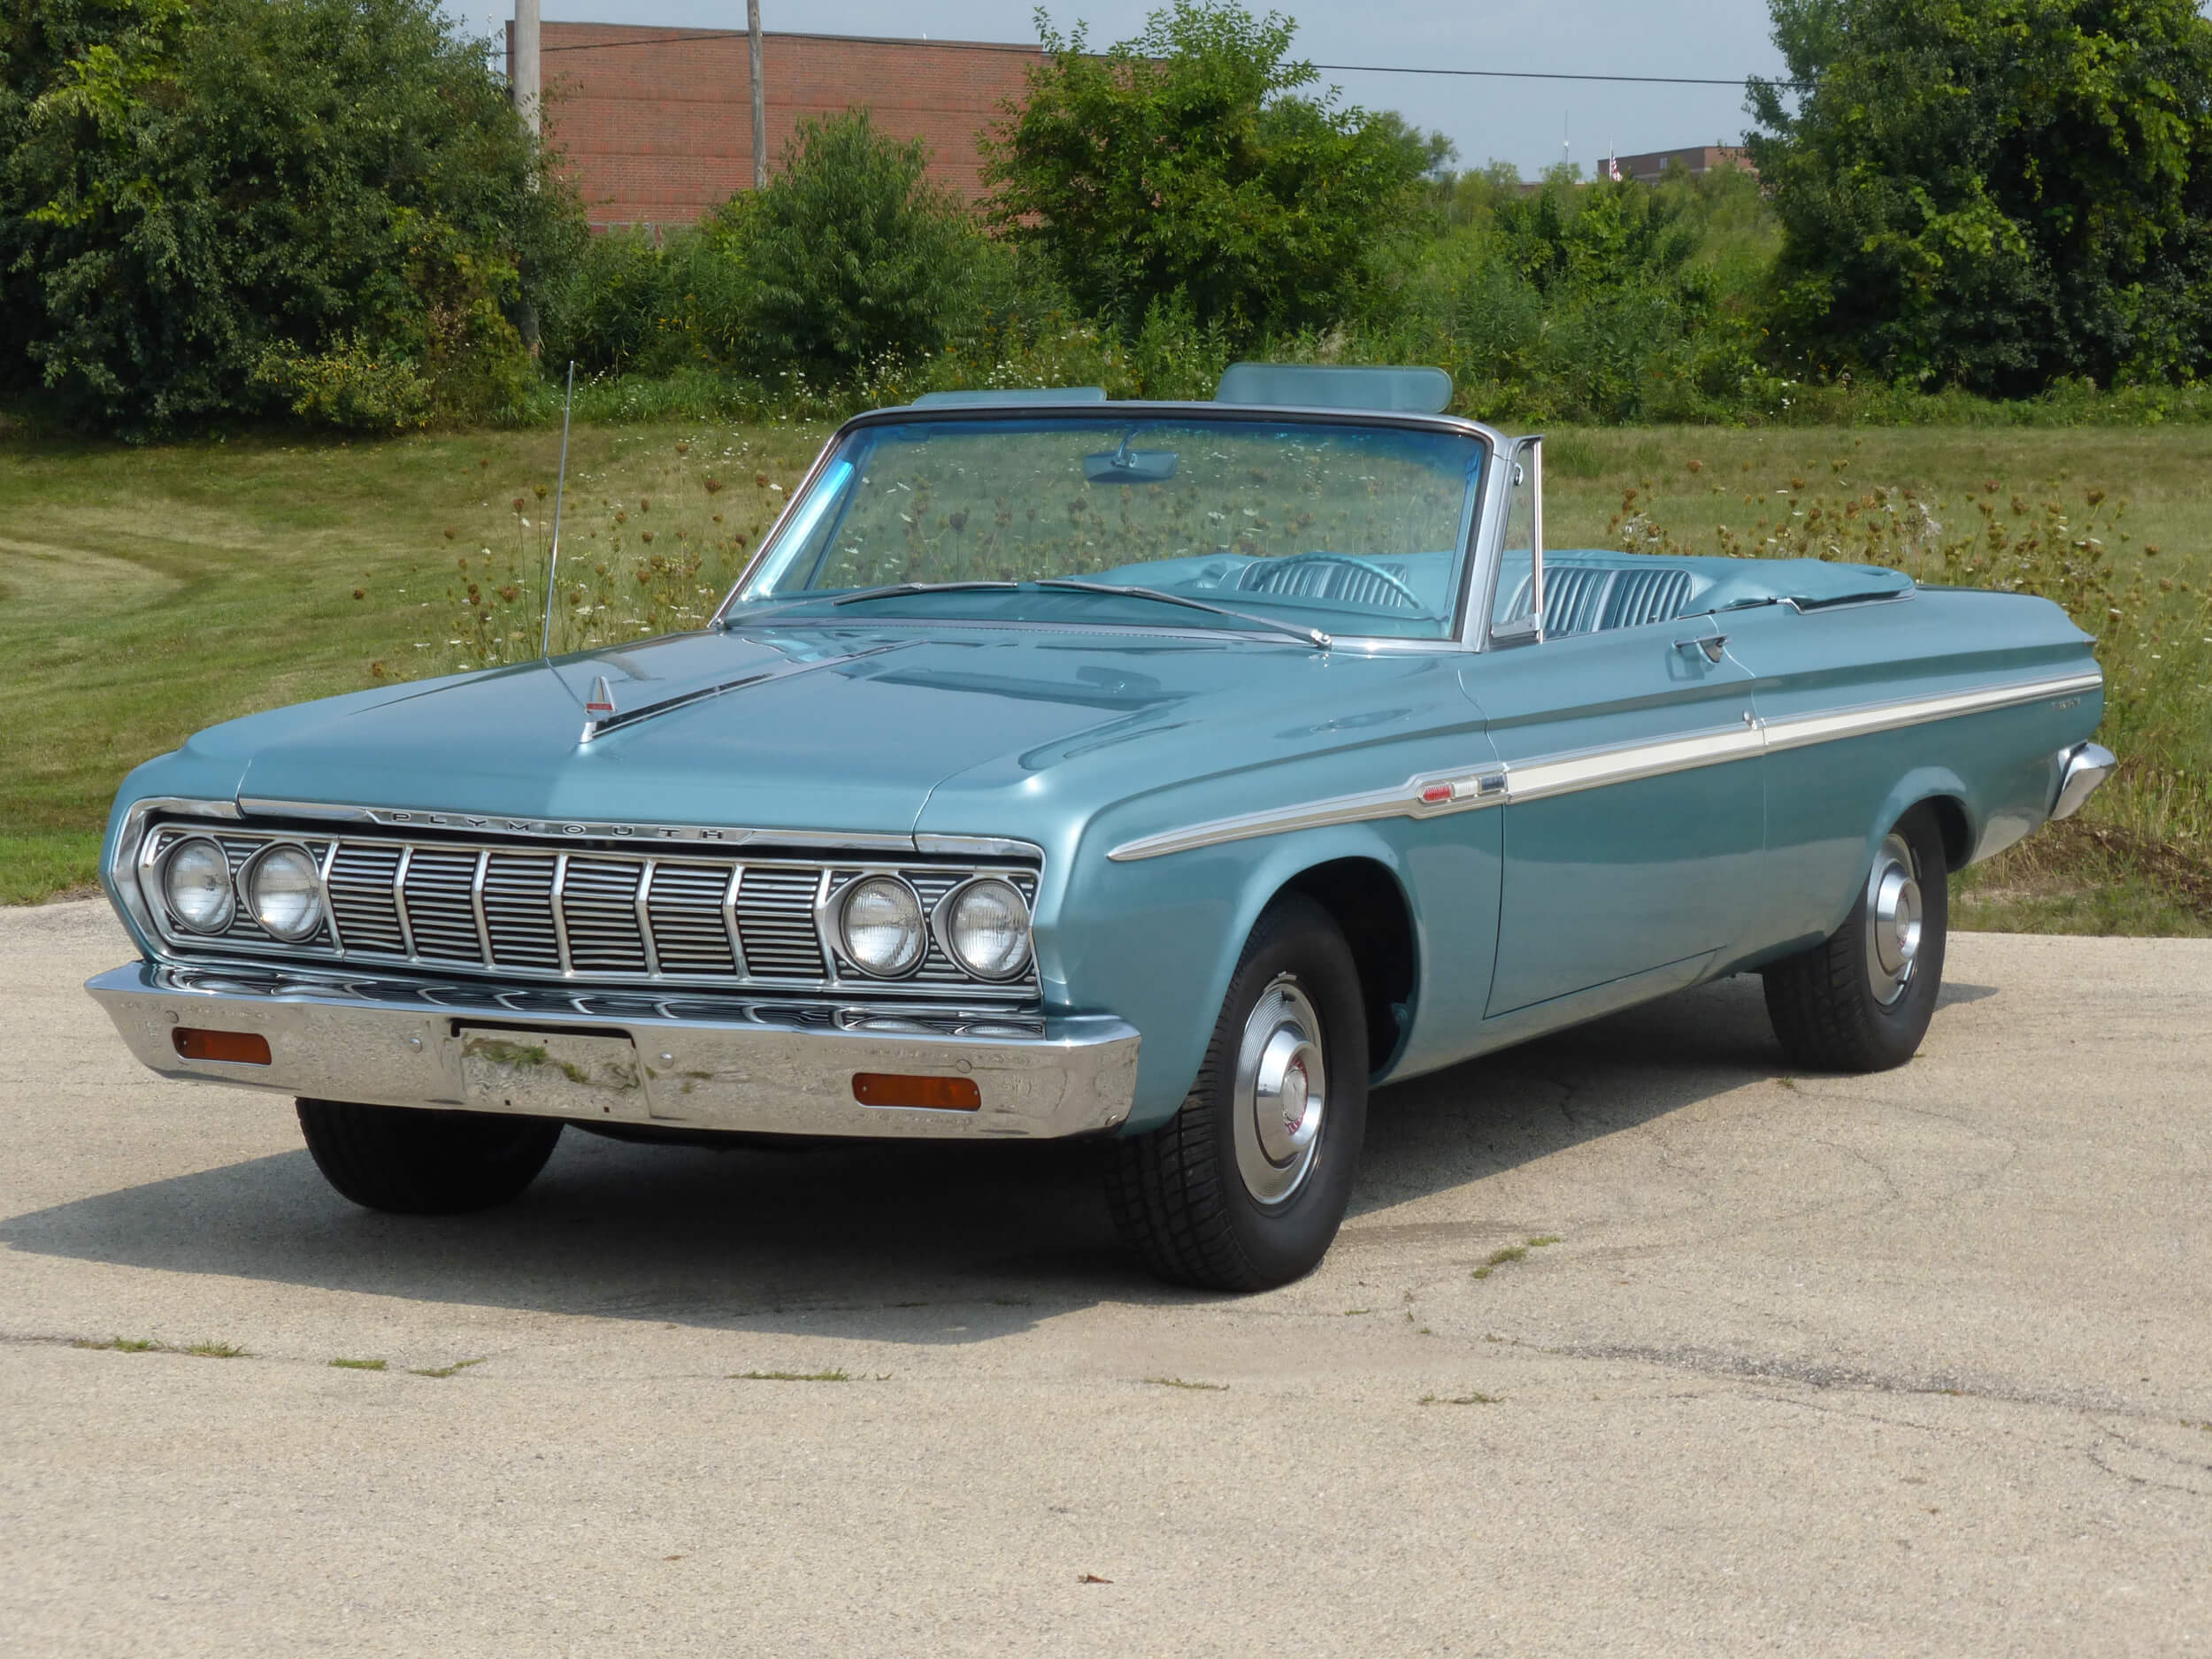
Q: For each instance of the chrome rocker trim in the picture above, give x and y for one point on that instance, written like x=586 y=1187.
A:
x=1498 y=784
x=721 y=1065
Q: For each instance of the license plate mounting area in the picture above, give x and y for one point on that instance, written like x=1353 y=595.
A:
x=551 y=1073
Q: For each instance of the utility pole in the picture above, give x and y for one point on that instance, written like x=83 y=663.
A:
x=524 y=74
x=760 y=97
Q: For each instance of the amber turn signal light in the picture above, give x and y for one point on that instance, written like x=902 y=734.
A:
x=241 y=1047
x=938 y=1094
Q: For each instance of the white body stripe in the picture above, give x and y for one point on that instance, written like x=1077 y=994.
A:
x=1592 y=769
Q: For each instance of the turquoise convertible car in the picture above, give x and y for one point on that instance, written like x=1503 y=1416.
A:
x=1166 y=774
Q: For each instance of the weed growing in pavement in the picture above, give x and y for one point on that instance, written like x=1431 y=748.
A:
x=794 y=1376
x=1178 y=1382
x=143 y=1345
x=1463 y=1400
x=454 y=1370
x=358 y=1364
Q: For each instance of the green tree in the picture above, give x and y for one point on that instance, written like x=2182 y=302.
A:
x=852 y=254
x=210 y=206
x=1182 y=171
x=1994 y=193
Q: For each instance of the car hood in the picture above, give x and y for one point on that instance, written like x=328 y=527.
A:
x=805 y=729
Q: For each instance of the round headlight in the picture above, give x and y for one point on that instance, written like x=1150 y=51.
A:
x=881 y=921
x=284 y=890
x=986 y=928
x=196 y=880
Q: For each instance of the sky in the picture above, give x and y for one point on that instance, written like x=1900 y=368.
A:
x=1523 y=122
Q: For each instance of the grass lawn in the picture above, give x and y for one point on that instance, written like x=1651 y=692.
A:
x=145 y=593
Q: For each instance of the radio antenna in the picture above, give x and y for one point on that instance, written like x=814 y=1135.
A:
x=553 y=561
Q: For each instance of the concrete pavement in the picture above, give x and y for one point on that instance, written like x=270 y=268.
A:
x=1912 y=1364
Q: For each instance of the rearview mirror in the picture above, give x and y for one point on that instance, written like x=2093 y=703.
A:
x=1131 y=466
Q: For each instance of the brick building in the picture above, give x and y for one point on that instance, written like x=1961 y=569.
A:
x=656 y=124
x=1698 y=160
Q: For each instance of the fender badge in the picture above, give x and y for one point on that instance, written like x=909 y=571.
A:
x=598 y=708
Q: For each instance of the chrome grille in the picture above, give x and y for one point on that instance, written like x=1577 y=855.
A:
x=440 y=890
x=691 y=934
x=519 y=910
x=775 y=922
x=550 y=912
x=599 y=900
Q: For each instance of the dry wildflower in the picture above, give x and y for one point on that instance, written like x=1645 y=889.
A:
x=360 y=593
x=539 y=489
x=714 y=485
x=448 y=532
x=1697 y=466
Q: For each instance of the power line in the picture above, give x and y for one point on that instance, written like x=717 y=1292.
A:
x=1538 y=75
x=1010 y=46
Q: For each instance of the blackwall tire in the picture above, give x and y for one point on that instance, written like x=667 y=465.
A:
x=421 y=1163
x=1860 y=999
x=1244 y=1188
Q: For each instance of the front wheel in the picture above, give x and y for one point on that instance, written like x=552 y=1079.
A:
x=416 y=1161
x=1244 y=1188
x=1860 y=999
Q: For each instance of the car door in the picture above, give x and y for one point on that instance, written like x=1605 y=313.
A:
x=1635 y=812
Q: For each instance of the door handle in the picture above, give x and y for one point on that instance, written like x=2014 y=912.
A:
x=1712 y=645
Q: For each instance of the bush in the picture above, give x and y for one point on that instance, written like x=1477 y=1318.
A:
x=1181 y=169
x=1994 y=195
x=209 y=205
x=852 y=255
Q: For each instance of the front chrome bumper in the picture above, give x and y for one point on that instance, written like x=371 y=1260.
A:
x=698 y=1063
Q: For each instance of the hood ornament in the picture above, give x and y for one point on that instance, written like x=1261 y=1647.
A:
x=598 y=709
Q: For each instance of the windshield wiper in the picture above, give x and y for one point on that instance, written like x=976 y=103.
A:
x=1311 y=636
x=1058 y=584
x=792 y=600
x=919 y=588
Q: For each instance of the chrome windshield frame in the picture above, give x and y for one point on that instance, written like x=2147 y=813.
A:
x=1483 y=523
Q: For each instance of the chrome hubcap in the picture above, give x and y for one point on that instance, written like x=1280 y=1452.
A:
x=1281 y=1090
x=1893 y=920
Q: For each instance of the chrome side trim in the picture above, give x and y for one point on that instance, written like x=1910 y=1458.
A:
x=1888 y=716
x=1591 y=769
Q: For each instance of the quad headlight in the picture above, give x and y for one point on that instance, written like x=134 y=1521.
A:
x=880 y=925
x=284 y=891
x=984 y=926
x=195 y=881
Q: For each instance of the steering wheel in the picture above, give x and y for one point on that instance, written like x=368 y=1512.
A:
x=1409 y=599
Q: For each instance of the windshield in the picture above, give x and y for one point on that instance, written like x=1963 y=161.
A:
x=1234 y=523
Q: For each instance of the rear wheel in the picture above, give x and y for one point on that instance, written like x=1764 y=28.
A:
x=1860 y=999
x=422 y=1163
x=1244 y=1188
